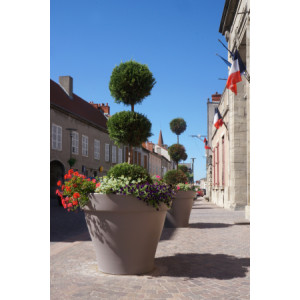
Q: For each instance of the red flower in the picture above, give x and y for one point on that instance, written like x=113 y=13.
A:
x=66 y=176
x=69 y=205
x=75 y=202
x=74 y=185
x=70 y=171
x=76 y=195
x=59 y=183
x=58 y=192
x=68 y=189
x=76 y=173
x=98 y=184
x=94 y=180
x=88 y=179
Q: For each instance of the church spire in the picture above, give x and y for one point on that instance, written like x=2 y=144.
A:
x=160 y=140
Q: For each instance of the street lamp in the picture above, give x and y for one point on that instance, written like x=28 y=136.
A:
x=193 y=158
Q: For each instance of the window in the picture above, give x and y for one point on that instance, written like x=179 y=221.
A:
x=120 y=156
x=85 y=144
x=106 y=152
x=75 y=142
x=218 y=164
x=145 y=162
x=214 y=165
x=223 y=161
x=96 y=149
x=56 y=137
x=114 y=154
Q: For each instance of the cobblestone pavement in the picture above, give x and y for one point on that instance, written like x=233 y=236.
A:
x=208 y=260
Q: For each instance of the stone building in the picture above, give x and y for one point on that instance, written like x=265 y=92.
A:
x=211 y=105
x=230 y=143
x=78 y=132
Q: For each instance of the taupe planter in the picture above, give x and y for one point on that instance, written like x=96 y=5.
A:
x=179 y=214
x=125 y=232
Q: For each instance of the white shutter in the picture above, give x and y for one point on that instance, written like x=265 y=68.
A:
x=75 y=142
x=85 y=143
x=114 y=154
x=106 y=152
x=96 y=149
x=120 y=156
x=56 y=137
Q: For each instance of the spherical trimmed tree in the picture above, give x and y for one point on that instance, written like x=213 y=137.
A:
x=128 y=127
x=130 y=83
x=178 y=126
x=177 y=153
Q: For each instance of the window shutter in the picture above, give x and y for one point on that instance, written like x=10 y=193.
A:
x=106 y=152
x=145 y=162
x=120 y=158
x=54 y=135
x=59 y=138
x=214 y=166
x=114 y=154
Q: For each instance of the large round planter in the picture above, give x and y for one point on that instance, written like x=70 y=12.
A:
x=125 y=232
x=179 y=214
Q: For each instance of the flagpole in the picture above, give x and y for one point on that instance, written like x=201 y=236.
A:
x=226 y=48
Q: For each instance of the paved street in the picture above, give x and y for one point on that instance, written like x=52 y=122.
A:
x=208 y=260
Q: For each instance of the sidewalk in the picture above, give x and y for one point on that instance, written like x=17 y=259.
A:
x=208 y=260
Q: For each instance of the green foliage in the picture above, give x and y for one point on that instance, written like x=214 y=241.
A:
x=178 y=126
x=131 y=82
x=177 y=152
x=129 y=128
x=183 y=168
x=174 y=177
x=134 y=172
x=71 y=162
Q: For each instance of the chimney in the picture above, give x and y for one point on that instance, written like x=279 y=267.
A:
x=66 y=83
x=100 y=106
x=215 y=97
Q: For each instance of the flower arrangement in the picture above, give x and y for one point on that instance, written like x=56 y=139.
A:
x=74 y=192
x=185 y=187
x=76 y=188
x=152 y=194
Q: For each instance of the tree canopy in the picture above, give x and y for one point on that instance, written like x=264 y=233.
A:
x=129 y=128
x=130 y=83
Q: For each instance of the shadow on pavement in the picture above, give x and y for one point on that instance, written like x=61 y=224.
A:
x=209 y=225
x=194 y=265
x=201 y=207
x=67 y=226
x=167 y=234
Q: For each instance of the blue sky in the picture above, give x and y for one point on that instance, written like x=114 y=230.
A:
x=177 y=39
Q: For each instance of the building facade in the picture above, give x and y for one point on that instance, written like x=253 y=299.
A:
x=230 y=143
x=78 y=135
x=211 y=105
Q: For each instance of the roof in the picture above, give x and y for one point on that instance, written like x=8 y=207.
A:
x=76 y=106
x=229 y=11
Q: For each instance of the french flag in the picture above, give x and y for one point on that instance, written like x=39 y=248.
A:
x=218 y=120
x=206 y=144
x=237 y=68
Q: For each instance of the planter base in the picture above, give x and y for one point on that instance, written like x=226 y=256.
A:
x=125 y=233
x=179 y=214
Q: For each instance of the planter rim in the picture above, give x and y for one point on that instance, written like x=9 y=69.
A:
x=121 y=203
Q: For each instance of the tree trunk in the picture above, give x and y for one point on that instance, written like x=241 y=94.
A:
x=132 y=107
x=177 y=139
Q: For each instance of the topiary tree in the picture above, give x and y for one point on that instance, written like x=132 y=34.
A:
x=130 y=83
x=128 y=127
x=174 y=177
x=178 y=126
x=177 y=153
x=127 y=170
